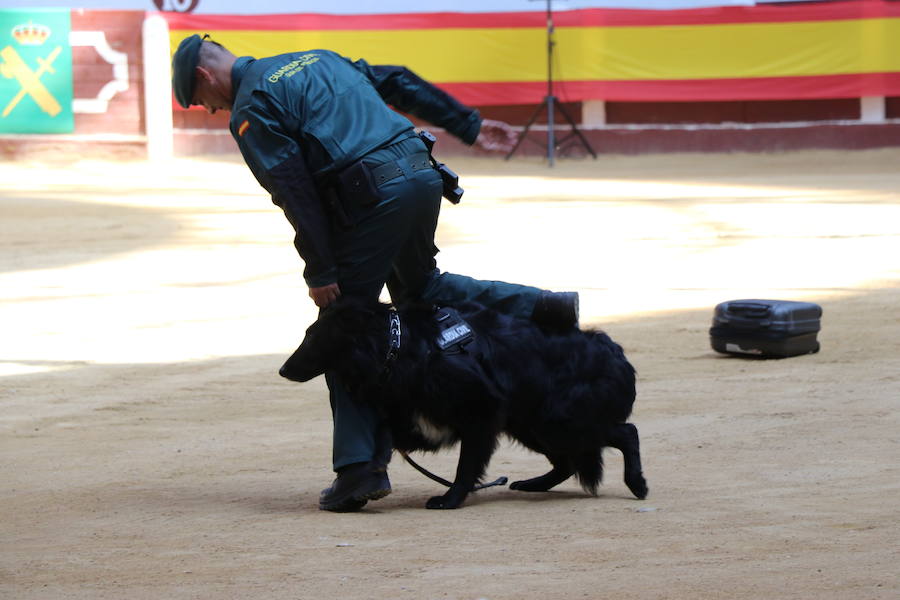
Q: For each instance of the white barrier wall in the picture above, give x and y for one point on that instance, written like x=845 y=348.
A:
x=157 y=88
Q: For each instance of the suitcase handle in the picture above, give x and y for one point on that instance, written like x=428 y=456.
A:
x=749 y=314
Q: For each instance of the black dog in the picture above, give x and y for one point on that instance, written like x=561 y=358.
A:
x=563 y=394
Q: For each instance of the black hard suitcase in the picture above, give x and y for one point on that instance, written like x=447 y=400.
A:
x=766 y=328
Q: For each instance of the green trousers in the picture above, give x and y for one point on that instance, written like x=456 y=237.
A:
x=393 y=243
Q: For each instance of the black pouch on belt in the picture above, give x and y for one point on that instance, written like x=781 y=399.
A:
x=356 y=190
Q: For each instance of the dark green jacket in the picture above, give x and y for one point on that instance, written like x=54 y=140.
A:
x=298 y=118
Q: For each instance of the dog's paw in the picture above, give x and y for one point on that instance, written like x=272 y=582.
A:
x=529 y=485
x=638 y=485
x=442 y=503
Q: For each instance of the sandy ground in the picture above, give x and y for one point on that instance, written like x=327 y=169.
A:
x=150 y=451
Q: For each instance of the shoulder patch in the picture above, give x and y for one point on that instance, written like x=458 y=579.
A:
x=242 y=128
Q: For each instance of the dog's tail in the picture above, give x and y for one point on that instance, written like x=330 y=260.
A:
x=589 y=470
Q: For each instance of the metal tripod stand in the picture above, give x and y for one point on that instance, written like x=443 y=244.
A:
x=551 y=102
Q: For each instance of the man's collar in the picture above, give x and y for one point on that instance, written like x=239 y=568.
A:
x=238 y=69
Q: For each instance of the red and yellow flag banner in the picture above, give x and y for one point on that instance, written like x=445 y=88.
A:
x=764 y=52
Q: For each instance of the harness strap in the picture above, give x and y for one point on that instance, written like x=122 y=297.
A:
x=394 y=347
x=393 y=352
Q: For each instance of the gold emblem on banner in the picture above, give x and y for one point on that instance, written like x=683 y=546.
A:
x=14 y=67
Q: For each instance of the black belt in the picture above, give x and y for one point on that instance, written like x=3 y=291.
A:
x=394 y=169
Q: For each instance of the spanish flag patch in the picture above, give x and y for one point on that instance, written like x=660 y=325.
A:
x=243 y=128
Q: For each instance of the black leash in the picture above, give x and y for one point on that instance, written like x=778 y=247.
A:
x=441 y=480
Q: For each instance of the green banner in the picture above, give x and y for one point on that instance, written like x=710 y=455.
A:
x=35 y=71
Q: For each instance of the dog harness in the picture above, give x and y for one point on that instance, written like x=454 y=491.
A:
x=454 y=333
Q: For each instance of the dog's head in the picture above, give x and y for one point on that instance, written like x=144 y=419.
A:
x=336 y=340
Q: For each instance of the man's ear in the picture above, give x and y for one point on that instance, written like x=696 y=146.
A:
x=204 y=74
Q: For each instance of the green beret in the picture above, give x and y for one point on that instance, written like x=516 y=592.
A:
x=184 y=63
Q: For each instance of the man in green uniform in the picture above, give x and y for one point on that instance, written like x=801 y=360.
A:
x=356 y=183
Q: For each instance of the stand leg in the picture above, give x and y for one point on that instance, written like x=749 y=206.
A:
x=577 y=132
x=549 y=103
x=527 y=127
x=551 y=134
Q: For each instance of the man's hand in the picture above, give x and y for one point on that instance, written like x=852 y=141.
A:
x=496 y=136
x=325 y=295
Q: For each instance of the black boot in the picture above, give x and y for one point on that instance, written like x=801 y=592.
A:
x=354 y=486
x=556 y=310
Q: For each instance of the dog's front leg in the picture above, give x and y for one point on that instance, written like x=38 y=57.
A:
x=474 y=454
